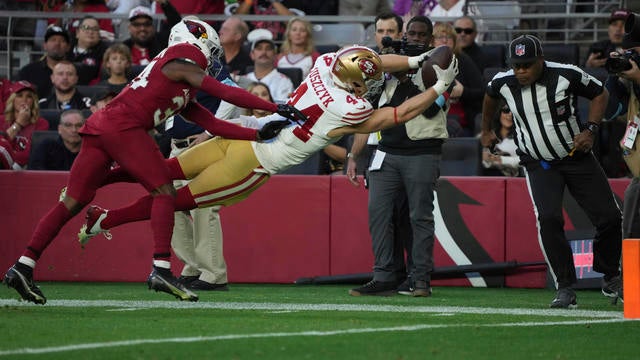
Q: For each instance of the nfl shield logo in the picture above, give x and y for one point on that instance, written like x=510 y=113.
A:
x=520 y=49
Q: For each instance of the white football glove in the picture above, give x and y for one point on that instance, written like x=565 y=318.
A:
x=445 y=76
x=416 y=61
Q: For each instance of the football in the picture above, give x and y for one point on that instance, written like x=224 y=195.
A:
x=440 y=56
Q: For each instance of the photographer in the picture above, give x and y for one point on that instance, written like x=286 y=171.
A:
x=623 y=84
x=599 y=51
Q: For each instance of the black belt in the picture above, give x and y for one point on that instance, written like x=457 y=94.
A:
x=181 y=143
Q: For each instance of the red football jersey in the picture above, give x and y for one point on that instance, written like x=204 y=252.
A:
x=150 y=98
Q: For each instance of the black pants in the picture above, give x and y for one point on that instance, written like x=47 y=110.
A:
x=584 y=178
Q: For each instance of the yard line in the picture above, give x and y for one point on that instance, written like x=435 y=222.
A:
x=138 y=304
x=113 y=344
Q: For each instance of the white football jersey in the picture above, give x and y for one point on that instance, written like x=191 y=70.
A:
x=326 y=107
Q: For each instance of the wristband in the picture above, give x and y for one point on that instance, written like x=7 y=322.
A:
x=593 y=127
x=350 y=156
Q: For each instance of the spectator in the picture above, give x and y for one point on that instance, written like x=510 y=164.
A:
x=502 y=160
x=88 y=51
x=265 y=7
x=123 y=7
x=624 y=88
x=101 y=99
x=599 y=51
x=297 y=50
x=313 y=7
x=105 y=26
x=56 y=46
x=233 y=34
x=117 y=65
x=144 y=42
x=21 y=118
x=467 y=32
x=363 y=7
x=407 y=9
x=541 y=95
x=466 y=96
x=387 y=25
x=260 y=90
x=263 y=54
x=197 y=6
x=59 y=153
x=64 y=95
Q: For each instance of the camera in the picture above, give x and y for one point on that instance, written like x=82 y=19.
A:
x=615 y=65
x=402 y=47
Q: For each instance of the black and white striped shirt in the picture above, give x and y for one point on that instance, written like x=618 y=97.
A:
x=544 y=112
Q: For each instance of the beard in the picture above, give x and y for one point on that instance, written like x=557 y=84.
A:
x=56 y=56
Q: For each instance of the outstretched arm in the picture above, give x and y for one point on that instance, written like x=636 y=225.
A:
x=203 y=117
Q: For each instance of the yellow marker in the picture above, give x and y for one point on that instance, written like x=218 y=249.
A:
x=572 y=151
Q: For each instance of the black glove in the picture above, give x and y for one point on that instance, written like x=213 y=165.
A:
x=291 y=112
x=271 y=129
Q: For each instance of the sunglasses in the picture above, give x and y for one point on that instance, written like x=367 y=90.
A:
x=467 y=31
x=505 y=110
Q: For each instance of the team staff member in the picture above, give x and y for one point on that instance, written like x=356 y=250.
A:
x=555 y=150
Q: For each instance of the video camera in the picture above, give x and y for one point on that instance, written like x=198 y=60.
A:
x=402 y=47
x=621 y=63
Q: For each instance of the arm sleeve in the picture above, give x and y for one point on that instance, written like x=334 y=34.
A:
x=201 y=116
x=235 y=95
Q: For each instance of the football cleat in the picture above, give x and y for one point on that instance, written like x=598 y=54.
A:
x=23 y=284
x=163 y=280
x=91 y=227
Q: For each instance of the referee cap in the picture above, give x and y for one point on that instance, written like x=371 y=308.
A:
x=525 y=49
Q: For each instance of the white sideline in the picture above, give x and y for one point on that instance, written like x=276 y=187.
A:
x=111 y=344
x=119 y=304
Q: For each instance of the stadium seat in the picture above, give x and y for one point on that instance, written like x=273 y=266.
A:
x=293 y=73
x=338 y=33
x=52 y=116
x=562 y=53
x=37 y=138
x=461 y=156
x=327 y=48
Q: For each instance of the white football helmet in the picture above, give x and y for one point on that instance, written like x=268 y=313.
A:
x=358 y=70
x=197 y=32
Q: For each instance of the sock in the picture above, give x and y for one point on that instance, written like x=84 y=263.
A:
x=48 y=227
x=162 y=226
x=162 y=264
x=175 y=170
x=137 y=211
x=184 y=200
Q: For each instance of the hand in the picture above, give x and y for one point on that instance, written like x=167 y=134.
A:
x=291 y=113
x=583 y=141
x=199 y=138
x=352 y=171
x=445 y=76
x=23 y=116
x=271 y=129
x=488 y=139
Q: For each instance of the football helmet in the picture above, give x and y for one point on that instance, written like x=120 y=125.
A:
x=358 y=70
x=197 y=32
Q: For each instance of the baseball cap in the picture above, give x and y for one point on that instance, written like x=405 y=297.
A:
x=260 y=35
x=140 y=11
x=101 y=95
x=620 y=14
x=56 y=30
x=21 y=85
x=524 y=49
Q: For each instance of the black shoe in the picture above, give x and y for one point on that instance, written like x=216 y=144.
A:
x=612 y=288
x=186 y=280
x=421 y=288
x=163 y=280
x=565 y=299
x=405 y=287
x=374 y=287
x=206 y=286
x=22 y=282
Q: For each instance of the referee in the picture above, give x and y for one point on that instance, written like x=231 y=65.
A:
x=555 y=150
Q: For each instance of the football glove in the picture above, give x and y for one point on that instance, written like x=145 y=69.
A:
x=271 y=129
x=291 y=112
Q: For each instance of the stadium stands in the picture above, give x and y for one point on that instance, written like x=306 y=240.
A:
x=461 y=157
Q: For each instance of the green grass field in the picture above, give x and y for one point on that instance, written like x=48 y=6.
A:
x=126 y=321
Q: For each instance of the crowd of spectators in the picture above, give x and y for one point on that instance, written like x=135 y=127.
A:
x=87 y=51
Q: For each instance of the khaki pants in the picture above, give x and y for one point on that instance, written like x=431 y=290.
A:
x=197 y=240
